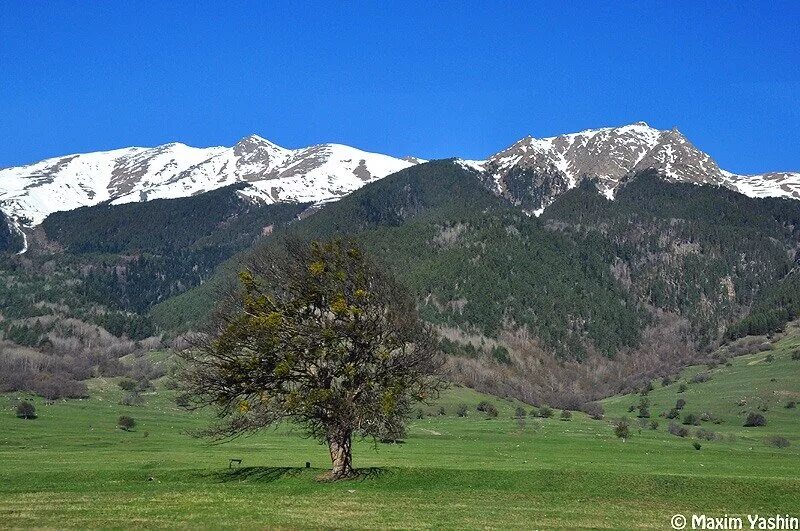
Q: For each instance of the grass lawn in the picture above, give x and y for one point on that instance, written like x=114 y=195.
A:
x=72 y=468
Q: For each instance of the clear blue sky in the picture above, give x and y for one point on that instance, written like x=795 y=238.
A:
x=433 y=79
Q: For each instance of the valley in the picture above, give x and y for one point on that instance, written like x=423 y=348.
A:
x=449 y=472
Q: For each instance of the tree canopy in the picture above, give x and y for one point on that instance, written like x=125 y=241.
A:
x=317 y=334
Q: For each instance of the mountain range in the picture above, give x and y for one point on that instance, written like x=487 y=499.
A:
x=531 y=173
x=560 y=270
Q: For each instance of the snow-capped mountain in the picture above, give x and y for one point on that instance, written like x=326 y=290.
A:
x=532 y=172
x=28 y=194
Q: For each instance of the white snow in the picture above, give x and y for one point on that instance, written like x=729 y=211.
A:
x=28 y=194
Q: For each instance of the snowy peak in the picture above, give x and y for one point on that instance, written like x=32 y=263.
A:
x=530 y=173
x=30 y=193
x=533 y=172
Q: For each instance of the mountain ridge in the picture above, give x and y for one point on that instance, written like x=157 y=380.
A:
x=530 y=173
x=318 y=173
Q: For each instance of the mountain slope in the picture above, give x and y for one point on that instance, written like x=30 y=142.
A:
x=28 y=194
x=533 y=172
x=592 y=297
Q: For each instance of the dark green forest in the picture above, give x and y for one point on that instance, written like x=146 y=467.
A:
x=113 y=263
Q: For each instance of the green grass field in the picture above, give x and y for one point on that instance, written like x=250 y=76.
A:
x=72 y=468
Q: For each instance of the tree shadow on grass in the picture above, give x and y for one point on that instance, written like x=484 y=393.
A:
x=269 y=474
x=260 y=474
x=373 y=472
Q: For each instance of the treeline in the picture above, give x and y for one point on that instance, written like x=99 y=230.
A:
x=219 y=219
x=478 y=263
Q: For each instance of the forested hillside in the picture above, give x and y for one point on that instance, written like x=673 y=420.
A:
x=593 y=297
x=80 y=296
x=139 y=254
x=703 y=252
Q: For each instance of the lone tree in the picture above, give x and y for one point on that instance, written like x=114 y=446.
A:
x=319 y=335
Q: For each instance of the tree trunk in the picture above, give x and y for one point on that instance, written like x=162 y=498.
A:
x=340 y=445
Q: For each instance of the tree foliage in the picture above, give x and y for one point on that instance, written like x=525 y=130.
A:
x=318 y=335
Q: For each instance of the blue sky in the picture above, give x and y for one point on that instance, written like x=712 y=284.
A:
x=432 y=79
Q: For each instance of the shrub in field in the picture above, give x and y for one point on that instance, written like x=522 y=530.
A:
x=791 y=404
x=665 y=381
x=770 y=358
x=131 y=399
x=594 y=410
x=487 y=407
x=673 y=413
x=631 y=408
x=796 y=355
x=778 y=442
x=26 y=410
x=709 y=417
x=442 y=412
x=653 y=424
x=696 y=445
x=462 y=409
x=755 y=420
x=420 y=414
x=126 y=423
x=690 y=419
x=519 y=412
x=701 y=377
x=143 y=385
x=566 y=414
x=705 y=434
x=622 y=428
x=126 y=384
x=682 y=387
x=534 y=412
x=680 y=404
x=647 y=388
x=676 y=429
x=545 y=412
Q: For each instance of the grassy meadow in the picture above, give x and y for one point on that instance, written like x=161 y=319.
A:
x=73 y=468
